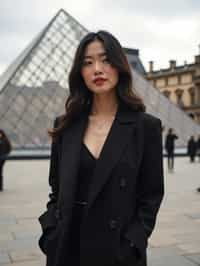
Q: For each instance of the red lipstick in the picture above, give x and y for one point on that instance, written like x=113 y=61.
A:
x=99 y=81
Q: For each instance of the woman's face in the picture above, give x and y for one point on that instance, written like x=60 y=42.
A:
x=97 y=72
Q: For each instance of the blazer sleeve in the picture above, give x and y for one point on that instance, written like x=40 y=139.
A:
x=150 y=186
x=48 y=219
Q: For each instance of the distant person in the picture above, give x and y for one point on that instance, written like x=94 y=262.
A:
x=198 y=154
x=169 y=147
x=191 y=149
x=198 y=147
x=5 y=148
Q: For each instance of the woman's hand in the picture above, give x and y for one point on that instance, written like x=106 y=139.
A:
x=46 y=236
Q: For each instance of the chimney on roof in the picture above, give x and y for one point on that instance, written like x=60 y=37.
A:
x=172 y=64
x=197 y=57
x=185 y=64
x=151 y=66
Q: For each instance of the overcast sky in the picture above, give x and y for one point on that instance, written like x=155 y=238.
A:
x=160 y=29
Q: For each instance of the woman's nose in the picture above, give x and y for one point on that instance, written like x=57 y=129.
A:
x=97 y=67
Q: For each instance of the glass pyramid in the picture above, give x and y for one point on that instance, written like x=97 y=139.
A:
x=34 y=88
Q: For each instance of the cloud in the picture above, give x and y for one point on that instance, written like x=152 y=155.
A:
x=21 y=17
x=20 y=22
x=156 y=8
x=160 y=29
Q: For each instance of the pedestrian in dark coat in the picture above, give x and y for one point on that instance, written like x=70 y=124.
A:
x=5 y=148
x=191 y=148
x=198 y=147
x=169 y=147
x=198 y=153
x=106 y=169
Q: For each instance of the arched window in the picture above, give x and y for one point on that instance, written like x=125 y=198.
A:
x=179 y=95
x=192 y=95
x=166 y=93
x=198 y=117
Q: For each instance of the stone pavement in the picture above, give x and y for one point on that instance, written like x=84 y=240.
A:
x=175 y=242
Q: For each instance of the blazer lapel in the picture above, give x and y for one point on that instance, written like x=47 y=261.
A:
x=117 y=139
x=70 y=156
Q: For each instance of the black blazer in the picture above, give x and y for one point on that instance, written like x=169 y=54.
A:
x=124 y=197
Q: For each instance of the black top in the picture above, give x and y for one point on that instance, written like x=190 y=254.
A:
x=86 y=168
x=84 y=179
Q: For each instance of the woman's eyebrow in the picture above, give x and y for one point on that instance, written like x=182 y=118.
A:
x=91 y=56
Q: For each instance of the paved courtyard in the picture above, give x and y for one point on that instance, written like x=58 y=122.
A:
x=175 y=242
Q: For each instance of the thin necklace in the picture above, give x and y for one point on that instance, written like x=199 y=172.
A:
x=100 y=125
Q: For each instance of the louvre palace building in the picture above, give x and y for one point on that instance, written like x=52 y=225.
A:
x=180 y=84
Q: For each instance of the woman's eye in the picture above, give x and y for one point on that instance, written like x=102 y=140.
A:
x=86 y=63
x=105 y=60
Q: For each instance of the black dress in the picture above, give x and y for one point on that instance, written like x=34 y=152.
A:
x=85 y=173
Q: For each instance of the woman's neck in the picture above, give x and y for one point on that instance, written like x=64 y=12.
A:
x=104 y=105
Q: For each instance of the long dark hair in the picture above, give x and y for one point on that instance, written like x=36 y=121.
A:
x=80 y=97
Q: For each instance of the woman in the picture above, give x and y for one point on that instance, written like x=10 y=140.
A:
x=5 y=148
x=106 y=170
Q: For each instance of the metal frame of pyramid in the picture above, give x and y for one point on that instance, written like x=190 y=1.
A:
x=34 y=88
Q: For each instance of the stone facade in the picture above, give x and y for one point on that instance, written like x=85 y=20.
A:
x=181 y=84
